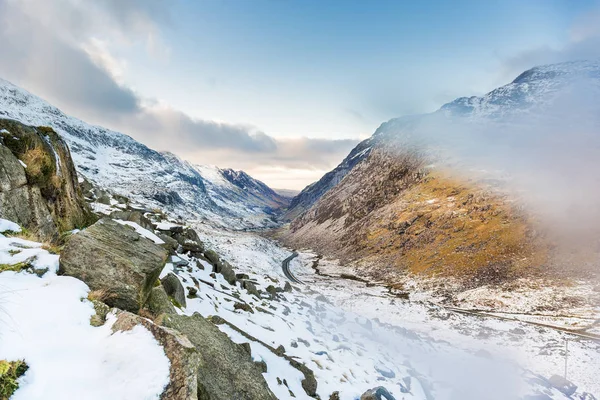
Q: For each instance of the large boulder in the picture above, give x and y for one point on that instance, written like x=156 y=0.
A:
x=39 y=188
x=174 y=288
x=226 y=370
x=182 y=354
x=114 y=258
x=189 y=241
x=225 y=269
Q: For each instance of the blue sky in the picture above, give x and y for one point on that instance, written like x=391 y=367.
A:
x=290 y=75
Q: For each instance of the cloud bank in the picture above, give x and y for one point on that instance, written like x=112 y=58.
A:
x=61 y=51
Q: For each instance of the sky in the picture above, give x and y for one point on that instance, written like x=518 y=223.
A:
x=282 y=89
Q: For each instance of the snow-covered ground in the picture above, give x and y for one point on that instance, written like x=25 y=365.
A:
x=46 y=322
x=355 y=336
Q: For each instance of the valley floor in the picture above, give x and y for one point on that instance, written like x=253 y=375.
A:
x=415 y=338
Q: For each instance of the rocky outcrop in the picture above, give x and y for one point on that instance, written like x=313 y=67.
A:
x=226 y=370
x=133 y=216
x=38 y=183
x=174 y=289
x=114 y=258
x=183 y=357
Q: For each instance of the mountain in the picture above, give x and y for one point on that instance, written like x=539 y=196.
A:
x=533 y=90
x=162 y=180
x=400 y=203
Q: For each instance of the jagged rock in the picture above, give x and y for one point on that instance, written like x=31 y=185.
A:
x=101 y=311
x=377 y=393
x=287 y=287
x=212 y=256
x=335 y=396
x=192 y=291
x=182 y=354
x=189 y=241
x=251 y=288
x=244 y=307
x=262 y=366
x=226 y=370
x=174 y=288
x=112 y=257
x=52 y=186
x=133 y=216
x=158 y=302
x=169 y=244
x=225 y=269
x=562 y=384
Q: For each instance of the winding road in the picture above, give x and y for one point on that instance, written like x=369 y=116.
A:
x=285 y=266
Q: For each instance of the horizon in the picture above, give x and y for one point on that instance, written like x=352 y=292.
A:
x=289 y=98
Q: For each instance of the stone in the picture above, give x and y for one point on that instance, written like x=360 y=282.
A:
x=45 y=197
x=212 y=256
x=287 y=287
x=563 y=385
x=244 y=307
x=133 y=216
x=174 y=288
x=158 y=302
x=101 y=311
x=192 y=291
x=189 y=241
x=225 y=269
x=113 y=257
x=377 y=393
x=181 y=352
x=169 y=244
x=226 y=370
x=335 y=396
x=251 y=288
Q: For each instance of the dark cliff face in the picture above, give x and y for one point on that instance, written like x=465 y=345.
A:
x=43 y=194
x=254 y=187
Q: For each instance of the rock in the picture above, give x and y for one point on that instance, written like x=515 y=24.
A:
x=244 y=307
x=45 y=197
x=288 y=288
x=133 y=216
x=178 y=262
x=251 y=288
x=562 y=384
x=262 y=366
x=189 y=241
x=158 y=302
x=113 y=257
x=212 y=256
x=102 y=310
x=242 y=277
x=226 y=370
x=192 y=291
x=271 y=290
x=280 y=351
x=335 y=396
x=377 y=393
x=174 y=288
x=225 y=269
x=182 y=354
x=169 y=244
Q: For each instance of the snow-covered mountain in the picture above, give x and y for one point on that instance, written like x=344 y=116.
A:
x=553 y=91
x=113 y=160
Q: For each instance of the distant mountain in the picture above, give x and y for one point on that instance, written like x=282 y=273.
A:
x=533 y=90
x=388 y=205
x=113 y=160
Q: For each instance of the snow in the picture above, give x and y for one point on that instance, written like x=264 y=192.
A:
x=142 y=231
x=6 y=225
x=22 y=164
x=45 y=321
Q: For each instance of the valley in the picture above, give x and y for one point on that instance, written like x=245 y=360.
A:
x=396 y=271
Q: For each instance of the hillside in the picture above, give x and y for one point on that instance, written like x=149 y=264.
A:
x=419 y=202
x=117 y=162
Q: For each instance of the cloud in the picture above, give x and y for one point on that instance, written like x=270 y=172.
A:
x=583 y=44
x=62 y=50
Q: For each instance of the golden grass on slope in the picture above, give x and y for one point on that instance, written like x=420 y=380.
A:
x=445 y=226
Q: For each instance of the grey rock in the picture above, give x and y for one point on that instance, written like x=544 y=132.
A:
x=225 y=370
x=174 y=288
x=113 y=257
x=251 y=288
x=287 y=287
x=133 y=216
x=377 y=393
x=212 y=256
x=182 y=354
x=169 y=244
x=225 y=269
x=158 y=302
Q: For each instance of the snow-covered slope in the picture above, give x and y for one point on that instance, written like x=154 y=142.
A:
x=162 y=180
